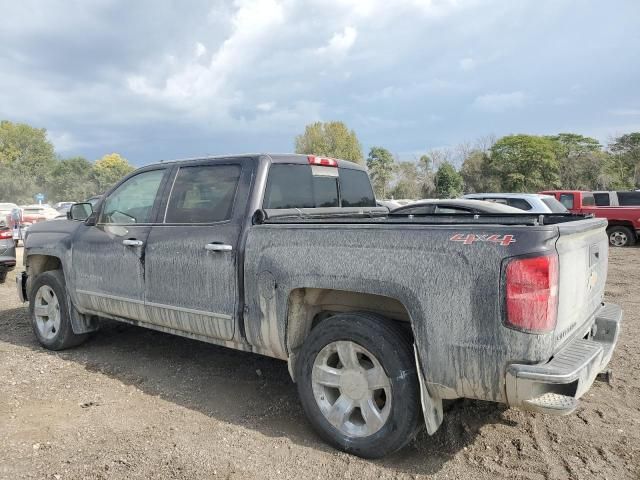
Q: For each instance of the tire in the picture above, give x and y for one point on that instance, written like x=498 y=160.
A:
x=620 y=236
x=391 y=416
x=3 y=276
x=49 y=312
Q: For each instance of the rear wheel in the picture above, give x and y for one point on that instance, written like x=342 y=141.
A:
x=50 y=314
x=358 y=384
x=620 y=236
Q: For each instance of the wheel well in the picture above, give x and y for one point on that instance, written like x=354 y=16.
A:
x=308 y=307
x=620 y=223
x=36 y=264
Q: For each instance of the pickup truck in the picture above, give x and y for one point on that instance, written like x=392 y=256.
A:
x=617 y=199
x=623 y=222
x=381 y=318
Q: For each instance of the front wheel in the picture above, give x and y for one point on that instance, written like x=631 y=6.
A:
x=358 y=384
x=620 y=236
x=50 y=313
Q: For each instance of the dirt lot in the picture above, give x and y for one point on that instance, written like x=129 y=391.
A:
x=132 y=403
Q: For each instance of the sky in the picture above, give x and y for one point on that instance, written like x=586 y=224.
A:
x=157 y=80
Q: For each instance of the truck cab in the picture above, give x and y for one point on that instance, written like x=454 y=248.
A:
x=623 y=222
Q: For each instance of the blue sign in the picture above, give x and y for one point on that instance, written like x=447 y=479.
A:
x=40 y=198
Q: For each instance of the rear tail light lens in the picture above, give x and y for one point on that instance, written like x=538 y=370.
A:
x=4 y=234
x=532 y=293
x=324 y=161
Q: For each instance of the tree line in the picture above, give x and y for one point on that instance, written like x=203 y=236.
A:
x=29 y=165
x=513 y=163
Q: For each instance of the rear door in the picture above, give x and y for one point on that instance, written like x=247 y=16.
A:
x=192 y=252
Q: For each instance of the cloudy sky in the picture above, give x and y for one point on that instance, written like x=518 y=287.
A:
x=168 y=79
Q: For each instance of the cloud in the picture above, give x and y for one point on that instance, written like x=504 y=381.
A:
x=467 y=64
x=340 y=43
x=500 y=102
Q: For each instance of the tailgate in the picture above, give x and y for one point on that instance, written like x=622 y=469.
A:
x=583 y=250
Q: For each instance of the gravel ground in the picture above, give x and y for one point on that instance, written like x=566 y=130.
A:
x=133 y=403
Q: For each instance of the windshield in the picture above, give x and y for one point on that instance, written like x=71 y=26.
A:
x=554 y=205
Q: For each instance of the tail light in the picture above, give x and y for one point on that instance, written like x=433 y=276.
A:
x=532 y=293
x=4 y=234
x=324 y=161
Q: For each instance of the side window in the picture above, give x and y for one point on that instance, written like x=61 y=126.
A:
x=588 y=200
x=501 y=201
x=451 y=210
x=422 y=210
x=627 y=199
x=203 y=194
x=132 y=202
x=567 y=200
x=519 y=203
x=356 y=189
x=602 y=199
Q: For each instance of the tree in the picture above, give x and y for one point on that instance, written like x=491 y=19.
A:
x=407 y=181
x=71 y=180
x=525 y=163
x=331 y=139
x=26 y=160
x=579 y=160
x=381 y=166
x=625 y=161
x=426 y=177
x=108 y=170
x=477 y=174
x=448 y=182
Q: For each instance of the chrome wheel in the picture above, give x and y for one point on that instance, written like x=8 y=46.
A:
x=618 y=238
x=47 y=312
x=351 y=388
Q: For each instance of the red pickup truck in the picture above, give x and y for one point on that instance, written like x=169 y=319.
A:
x=624 y=222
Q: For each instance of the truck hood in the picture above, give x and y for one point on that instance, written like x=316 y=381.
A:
x=51 y=236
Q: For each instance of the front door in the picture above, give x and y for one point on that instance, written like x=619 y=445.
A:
x=192 y=252
x=108 y=257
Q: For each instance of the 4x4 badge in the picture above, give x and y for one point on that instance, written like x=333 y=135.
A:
x=470 y=238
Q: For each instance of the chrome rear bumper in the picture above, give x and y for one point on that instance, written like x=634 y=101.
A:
x=555 y=386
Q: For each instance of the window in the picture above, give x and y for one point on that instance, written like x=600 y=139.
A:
x=627 y=199
x=421 y=210
x=566 y=199
x=451 y=210
x=132 y=202
x=501 y=201
x=203 y=194
x=588 y=200
x=298 y=186
x=355 y=188
x=554 y=205
x=519 y=203
x=602 y=199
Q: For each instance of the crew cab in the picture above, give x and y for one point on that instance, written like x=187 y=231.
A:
x=380 y=317
x=623 y=222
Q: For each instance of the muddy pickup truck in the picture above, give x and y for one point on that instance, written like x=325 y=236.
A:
x=381 y=318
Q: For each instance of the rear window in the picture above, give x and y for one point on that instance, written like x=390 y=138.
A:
x=588 y=200
x=519 y=203
x=627 y=199
x=601 y=199
x=554 y=205
x=305 y=186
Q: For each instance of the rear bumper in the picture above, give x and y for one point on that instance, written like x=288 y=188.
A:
x=555 y=386
x=7 y=263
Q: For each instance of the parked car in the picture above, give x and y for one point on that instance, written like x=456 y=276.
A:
x=529 y=202
x=38 y=213
x=7 y=251
x=617 y=199
x=5 y=211
x=623 y=222
x=379 y=317
x=453 y=206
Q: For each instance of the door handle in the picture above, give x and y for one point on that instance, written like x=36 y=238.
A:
x=132 y=242
x=218 y=247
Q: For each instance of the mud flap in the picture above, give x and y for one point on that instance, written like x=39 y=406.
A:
x=431 y=406
x=81 y=323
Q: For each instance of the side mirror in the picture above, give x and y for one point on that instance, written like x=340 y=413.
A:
x=80 y=211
